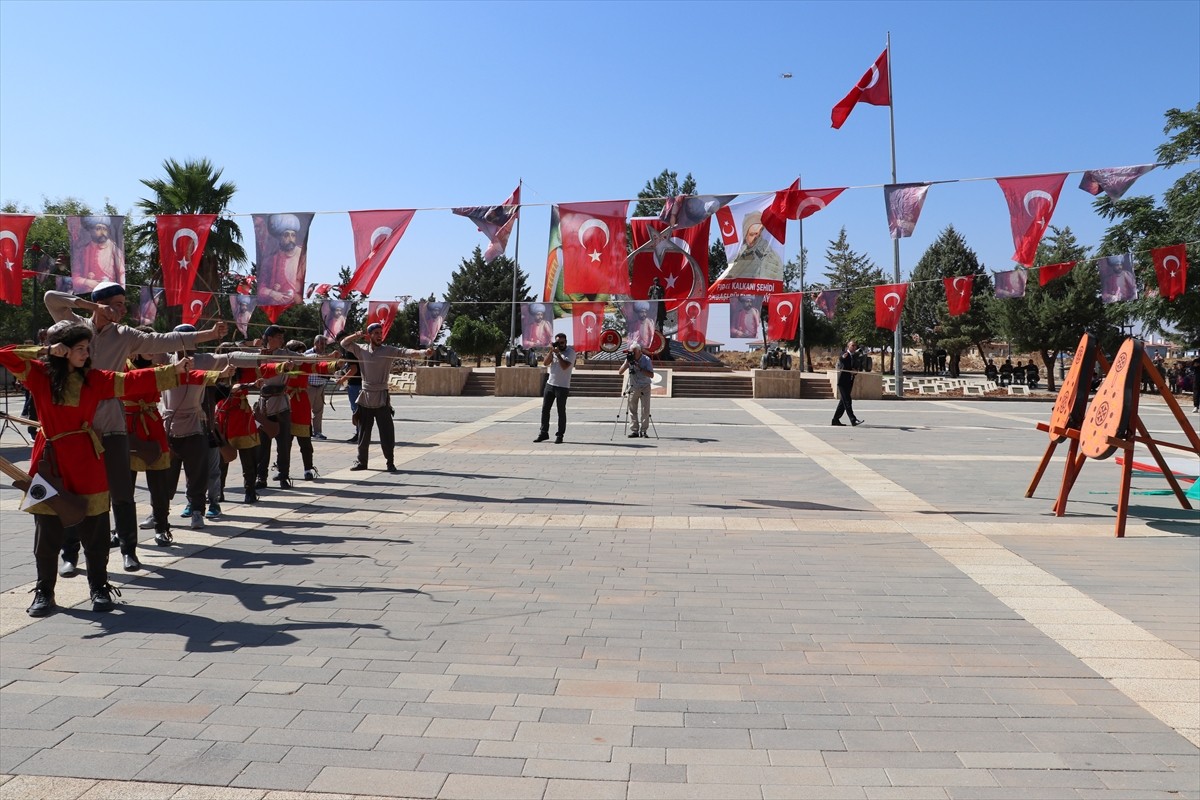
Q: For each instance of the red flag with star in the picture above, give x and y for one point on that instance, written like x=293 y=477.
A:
x=1049 y=272
x=181 y=241
x=384 y=312
x=1031 y=203
x=593 y=242
x=1170 y=266
x=795 y=203
x=680 y=261
x=874 y=88
x=958 y=293
x=889 y=304
x=587 y=322
x=693 y=323
x=13 y=230
x=783 y=315
x=376 y=234
x=195 y=306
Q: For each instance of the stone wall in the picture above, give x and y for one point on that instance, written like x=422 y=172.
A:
x=519 y=381
x=447 y=381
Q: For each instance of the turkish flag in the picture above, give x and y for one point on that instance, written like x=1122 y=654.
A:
x=13 y=230
x=729 y=232
x=693 y=322
x=889 y=304
x=383 y=312
x=195 y=306
x=376 y=234
x=1049 y=272
x=680 y=261
x=593 y=240
x=873 y=88
x=587 y=321
x=181 y=241
x=1170 y=265
x=958 y=293
x=1031 y=202
x=783 y=315
x=795 y=203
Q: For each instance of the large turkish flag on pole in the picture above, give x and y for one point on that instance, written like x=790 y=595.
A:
x=587 y=321
x=181 y=242
x=874 y=87
x=376 y=234
x=783 y=315
x=1031 y=202
x=13 y=230
x=889 y=304
x=593 y=242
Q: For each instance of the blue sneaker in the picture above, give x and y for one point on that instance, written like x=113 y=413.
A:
x=214 y=511
x=187 y=511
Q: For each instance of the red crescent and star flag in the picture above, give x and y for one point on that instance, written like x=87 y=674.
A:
x=494 y=222
x=783 y=315
x=593 y=243
x=587 y=322
x=376 y=234
x=874 y=87
x=904 y=202
x=889 y=304
x=693 y=321
x=679 y=261
x=384 y=312
x=1049 y=272
x=195 y=306
x=1170 y=267
x=958 y=293
x=794 y=203
x=14 y=228
x=1031 y=203
x=181 y=242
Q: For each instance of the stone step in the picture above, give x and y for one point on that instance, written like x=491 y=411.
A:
x=711 y=385
x=816 y=389
x=480 y=384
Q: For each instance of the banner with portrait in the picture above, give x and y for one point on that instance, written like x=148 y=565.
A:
x=431 y=316
x=97 y=250
x=639 y=322
x=333 y=315
x=755 y=256
x=537 y=327
x=149 y=299
x=281 y=252
x=745 y=316
x=242 y=307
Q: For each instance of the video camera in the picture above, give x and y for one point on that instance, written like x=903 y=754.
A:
x=559 y=344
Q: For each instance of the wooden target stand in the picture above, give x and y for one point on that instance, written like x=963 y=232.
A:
x=1111 y=423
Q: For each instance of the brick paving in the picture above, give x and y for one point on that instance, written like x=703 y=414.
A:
x=755 y=605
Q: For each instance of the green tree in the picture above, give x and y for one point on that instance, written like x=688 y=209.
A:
x=1140 y=224
x=856 y=275
x=665 y=184
x=484 y=291
x=926 y=312
x=477 y=337
x=194 y=187
x=1051 y=319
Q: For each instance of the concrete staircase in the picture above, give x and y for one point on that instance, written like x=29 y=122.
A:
x=599 y=383
x=480 y=384
x=816 y=388
x=709 y=384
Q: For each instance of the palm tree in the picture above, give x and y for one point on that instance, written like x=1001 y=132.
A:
x=194 y=187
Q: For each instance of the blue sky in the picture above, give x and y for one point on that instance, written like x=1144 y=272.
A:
x=341 y=106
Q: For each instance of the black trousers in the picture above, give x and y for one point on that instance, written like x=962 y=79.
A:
x=283 y=442
x=120 y=489
x=49 y=537
x=555 y=396
x=381 y=416
x=306 y=450
x=161 y=483
x=844 y=406
x=248 y=458
x=191 y=453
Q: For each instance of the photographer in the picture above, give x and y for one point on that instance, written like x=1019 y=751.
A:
x=849 y=363
x=561 y=361
x=641 y=375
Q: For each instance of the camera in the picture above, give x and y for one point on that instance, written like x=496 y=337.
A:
x=560 y=345
x=630 y=357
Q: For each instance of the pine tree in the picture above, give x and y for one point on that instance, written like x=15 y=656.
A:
x=484 y=291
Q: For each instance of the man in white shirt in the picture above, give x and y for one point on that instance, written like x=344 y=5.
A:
x=561 y=361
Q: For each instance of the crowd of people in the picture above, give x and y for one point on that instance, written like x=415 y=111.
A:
x=111 y=401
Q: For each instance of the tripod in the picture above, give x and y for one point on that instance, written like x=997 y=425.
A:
x=8 y=420
x=623 y=412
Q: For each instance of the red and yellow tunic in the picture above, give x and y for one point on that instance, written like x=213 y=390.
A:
x=234 y=417
x=297 y=392
x=143 y=420
x=67 y=426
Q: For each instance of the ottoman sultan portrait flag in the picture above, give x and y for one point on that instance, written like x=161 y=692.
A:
x=376 y=234
x=181 y=241
x=149 y=299
x=281 y=250
x=242 y=307
x=13 y=230
x=97 y=251
x=593 y=245
x=755 y=256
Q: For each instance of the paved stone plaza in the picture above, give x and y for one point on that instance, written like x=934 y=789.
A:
x=753 y=605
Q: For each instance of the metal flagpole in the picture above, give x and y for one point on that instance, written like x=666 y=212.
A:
x=897 y=350
x=512 y=328
x=799 y=182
